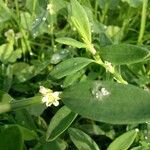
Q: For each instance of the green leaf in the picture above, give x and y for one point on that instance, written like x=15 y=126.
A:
x=5 y=100
x=11 y=138
x=93 y=129
x=24 y=119
x=124 y=141
x=5 y=97
x=36 y=110
x=124 y=54
x=134 y=3
x=57 y=144
x=15 y=55
x=80 y=21
x=108 y=102
x=27 y=134
x=26 y=20
x=70 y=66
x=82 y=140
x=71 y=42
x=69 y=80
x=59 y=123
x=6 y=51
x=38 y=23
x=24 y=71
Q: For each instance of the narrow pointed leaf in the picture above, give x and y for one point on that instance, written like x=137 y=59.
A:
x=124 y=141
x=80 y=20
x=71 y=42
x=69 y=67
x=108 y=102
x=82 y=140
x=59 y=123
x=124 y=54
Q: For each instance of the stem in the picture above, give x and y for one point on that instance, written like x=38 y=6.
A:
x=25 y=102
x=143 y=21
x=95 y=9
x=14 y=105
x=33 y=8
x=109 y=68
x=104 y=13
x=17 y=9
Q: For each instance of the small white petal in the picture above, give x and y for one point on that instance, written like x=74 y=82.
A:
x=45 y=99
x=56 y=103
x=44 y=90
x=56 y=95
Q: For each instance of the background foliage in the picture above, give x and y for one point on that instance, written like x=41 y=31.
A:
x=96 y=52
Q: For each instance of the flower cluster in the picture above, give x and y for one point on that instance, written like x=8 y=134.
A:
x=49 y=97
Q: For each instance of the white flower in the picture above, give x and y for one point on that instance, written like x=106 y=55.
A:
x=50 y=9
x=49 y=97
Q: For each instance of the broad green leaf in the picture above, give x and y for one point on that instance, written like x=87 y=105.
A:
x=80 y=21
x=70 y=66
x=59 y=123
x=108 y=102
x=124 y=141
x=71 y=42
x=82 y=140
x=124 y=54
x=11 y=138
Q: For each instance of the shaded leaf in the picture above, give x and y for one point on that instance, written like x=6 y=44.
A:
x=28 y=134
x=11 y=138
